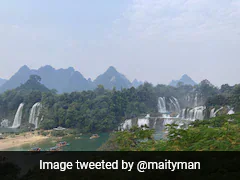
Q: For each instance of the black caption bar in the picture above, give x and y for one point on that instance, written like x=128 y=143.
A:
x=119 y=165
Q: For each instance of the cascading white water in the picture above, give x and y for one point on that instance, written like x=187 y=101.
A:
x=199 y=113
x=154 y=125
x=167 y=121
x=172 y=105
x=143 y=122
x=34 y=114
x=194 y=113
x=231 y=112
x=196 y=100
x=172 y=102
x=176 y=104
x=191 y=114
x=41 y=118
x=127 y=124
x=162 y=105
x=213 y=113
x=147 y=116
x=18 y=117
x=218 y=110
x=182 y=114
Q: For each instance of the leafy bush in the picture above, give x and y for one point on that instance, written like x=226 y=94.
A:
x=58 y=133
x=44 y=133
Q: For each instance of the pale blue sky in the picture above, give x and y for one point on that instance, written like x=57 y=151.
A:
x=153 y=40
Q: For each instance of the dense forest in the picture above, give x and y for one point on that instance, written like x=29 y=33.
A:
x=101 y=109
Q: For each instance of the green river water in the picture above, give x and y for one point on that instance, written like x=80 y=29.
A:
x=82 y=144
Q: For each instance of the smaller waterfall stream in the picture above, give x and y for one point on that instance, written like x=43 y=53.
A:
x=162 y=105
x=213 y=113
x=174 y=105
x=168 y=104
x=196 y=100
x=18 y=117
x=231 y=112
x=127 y=124
x=143 y=122
x=193 y=113
x=34 y=114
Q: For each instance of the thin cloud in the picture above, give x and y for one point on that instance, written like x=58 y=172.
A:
x=179 y=18
x=197 y=37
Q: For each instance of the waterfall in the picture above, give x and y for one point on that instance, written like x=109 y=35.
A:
x=176 y=104
x=188 y=98
x=231 y=112
x=182 y=114
x=127 y=124
x=41 y=118
x=194 y=113
x=172 y=102
x=154 y=125
x=213 y=113
x=199 y=113
x=167 y=121
x=196 y=100
x=191 y=114
x=34 y=114
x=18 y=117
x=143 y=122
x=162 y=105
x=147 y=116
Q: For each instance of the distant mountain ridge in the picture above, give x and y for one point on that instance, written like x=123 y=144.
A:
x=63 y=80
x=67 y=80
x=112 y=78
x=185 y=79
x=2 y=81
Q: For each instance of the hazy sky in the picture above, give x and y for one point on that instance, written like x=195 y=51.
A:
x=153 y=40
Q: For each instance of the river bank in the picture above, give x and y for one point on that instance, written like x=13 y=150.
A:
x=21 y=139
x=32 y=138
x=46 y=139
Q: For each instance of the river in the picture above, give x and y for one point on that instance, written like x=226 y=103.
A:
x=82 y=144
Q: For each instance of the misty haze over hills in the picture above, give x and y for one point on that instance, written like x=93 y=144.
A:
x=68 y=80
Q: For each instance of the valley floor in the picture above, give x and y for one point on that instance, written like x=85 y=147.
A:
x=19 y=140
